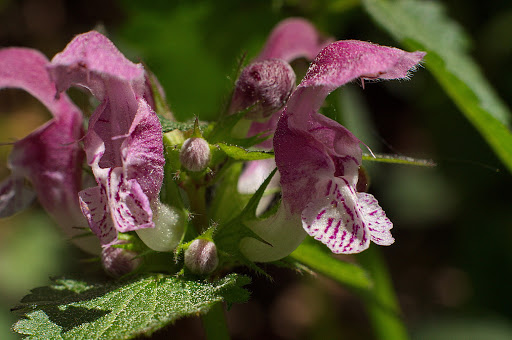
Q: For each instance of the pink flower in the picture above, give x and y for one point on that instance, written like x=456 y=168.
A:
x=50 y=157
x=267 y=84
x=318 y=159
x=124 y=141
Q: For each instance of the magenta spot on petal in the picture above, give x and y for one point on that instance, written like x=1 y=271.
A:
x=363 y=239
x=329 y=223
x=328 y=188
x=319 y=216
x=349 y=212
x=342 y=238
x=336 y=229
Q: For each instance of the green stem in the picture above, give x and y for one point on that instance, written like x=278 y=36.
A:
x=214 y=323
x=196 y=195
x=381 y=302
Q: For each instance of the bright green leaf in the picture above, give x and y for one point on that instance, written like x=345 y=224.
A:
x=313 y=255
x=397 y=159
x=240 y=154
x=71 y=309
x=227 y=201
x=169 y=125
x=423 y=25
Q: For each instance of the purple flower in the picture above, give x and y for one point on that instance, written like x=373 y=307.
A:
x=49 y=157
x=267 y=84
x=124 y=141
x=318 y=159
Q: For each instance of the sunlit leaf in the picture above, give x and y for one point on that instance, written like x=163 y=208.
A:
x=313 y=255
x=240 y=154
x=397 y=159
x=73 y=309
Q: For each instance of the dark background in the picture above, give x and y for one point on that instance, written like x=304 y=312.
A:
x=451 y=262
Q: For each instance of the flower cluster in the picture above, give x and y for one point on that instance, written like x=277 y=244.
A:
x=318 y=160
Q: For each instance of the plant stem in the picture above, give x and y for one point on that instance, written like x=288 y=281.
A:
x=381 y=302
x=196 y=195
x=214 y=323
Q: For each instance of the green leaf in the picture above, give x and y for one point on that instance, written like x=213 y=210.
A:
x=227 y=237
x=72 y=309
x=222 y=129
x=381 y=301
x=320 y=260
x=227 y=201
x=397 y=159
x=240 y=154
x=169 y=125
x=423 y=25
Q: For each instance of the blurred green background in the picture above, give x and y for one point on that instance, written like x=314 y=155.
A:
x=452 y=261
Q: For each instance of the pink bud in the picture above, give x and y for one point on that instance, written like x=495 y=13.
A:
x=266 y=84
x=195 y=154
x=118 y=261
x=201 y=257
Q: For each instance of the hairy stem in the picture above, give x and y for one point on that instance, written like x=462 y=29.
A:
x=214 y=323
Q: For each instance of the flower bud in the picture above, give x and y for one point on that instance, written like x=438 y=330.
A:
x=201 y=257
x=266 y=84
x=118 y=261
x=169 y=226
x=195 y=154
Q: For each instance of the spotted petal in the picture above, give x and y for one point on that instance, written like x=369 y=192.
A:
x=129 y=206
x=93 y=202
x=346 y=221
x=335 y=219
x=376 y=219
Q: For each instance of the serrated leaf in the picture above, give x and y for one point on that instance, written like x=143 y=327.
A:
x=73 y=309
x=240 y=154
x=423 y=25
x=320 y=260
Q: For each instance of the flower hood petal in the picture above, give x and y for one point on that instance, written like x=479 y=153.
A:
x=293 y=38
x=92 y=61
x=347 y=60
